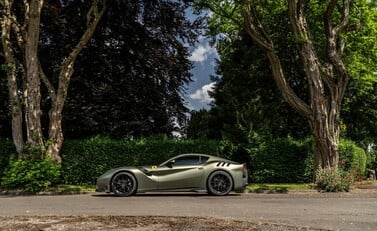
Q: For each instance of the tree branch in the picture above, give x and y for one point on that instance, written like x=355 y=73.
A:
x=335 y=46
x=345 y=17
x=47 y=83
x=91 y=25
x=223 y=13
x=26 y=16
x=20 y=33
x=255 y=29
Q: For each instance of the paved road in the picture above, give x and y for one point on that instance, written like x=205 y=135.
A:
x=354 y=211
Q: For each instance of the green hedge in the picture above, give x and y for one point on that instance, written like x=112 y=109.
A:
x=352 y=158
x=283 y=161
x=279 y=160
x=286 y=160
x=85 y=160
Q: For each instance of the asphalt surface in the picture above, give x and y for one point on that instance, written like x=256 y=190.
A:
x=339 y=211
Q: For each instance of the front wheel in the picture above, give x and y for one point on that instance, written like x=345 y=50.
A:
x=124 y=184
x=219 y=183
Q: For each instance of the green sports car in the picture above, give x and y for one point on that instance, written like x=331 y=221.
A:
x=186 y=172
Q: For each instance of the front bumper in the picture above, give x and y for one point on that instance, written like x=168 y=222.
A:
x=103 y=184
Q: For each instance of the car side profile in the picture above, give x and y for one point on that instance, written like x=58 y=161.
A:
x=186 y=172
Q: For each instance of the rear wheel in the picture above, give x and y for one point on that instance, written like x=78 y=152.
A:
x=124 y=184
x=219 y=183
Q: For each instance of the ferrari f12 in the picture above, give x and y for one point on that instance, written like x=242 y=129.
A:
x=186 y=172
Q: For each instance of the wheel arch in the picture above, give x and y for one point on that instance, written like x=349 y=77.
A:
x=121 y=171
x=220 y=170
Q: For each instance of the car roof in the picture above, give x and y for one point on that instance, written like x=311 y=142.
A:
x=194 y=154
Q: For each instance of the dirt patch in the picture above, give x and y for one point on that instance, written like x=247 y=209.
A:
x=142 y=223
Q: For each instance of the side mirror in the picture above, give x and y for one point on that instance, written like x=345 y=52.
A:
x=170 y=163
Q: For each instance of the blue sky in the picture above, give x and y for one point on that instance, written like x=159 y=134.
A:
x=203 y=56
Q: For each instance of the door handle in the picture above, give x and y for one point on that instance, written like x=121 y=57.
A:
x=200 y=168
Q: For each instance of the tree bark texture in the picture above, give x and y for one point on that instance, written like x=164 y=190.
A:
x=33 y=84
x=11 y=72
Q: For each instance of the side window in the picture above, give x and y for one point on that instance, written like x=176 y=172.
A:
x=187 y=160
x=203 y=159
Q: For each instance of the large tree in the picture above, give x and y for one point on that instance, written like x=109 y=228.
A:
x=21 y=28
x=132 y=74
x=322 y=60
x=130 y=77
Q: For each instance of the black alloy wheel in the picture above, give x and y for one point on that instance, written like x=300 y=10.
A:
x=124 y=184
x=219 y=183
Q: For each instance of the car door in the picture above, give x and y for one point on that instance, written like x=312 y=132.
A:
x=180 y=173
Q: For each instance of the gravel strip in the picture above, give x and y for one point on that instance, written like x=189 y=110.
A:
x=135 y=223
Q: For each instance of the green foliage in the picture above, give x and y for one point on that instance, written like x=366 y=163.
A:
x=246 y=96
x=330 y=180
x=6 y=148
x=283 y=160
x=85 y=160
x=33 y=175
x=246 y=88
x=144 y=69
x=372 y=159
x=202 y=125
x=352 y=158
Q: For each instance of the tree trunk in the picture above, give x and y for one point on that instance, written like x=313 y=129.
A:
x=327 y=81
x=322 y=118
x=325 y=131
x=58 y=97
x=55 y=132
x=33 y=83
x=55 y=114
x=11 y=71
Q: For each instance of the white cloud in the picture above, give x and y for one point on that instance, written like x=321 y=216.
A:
x=202 y=93
x=201 y=53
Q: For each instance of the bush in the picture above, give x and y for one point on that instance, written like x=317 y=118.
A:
x=6 y=148
x=352 y=158
x=372 y=159
x=31 y=174
x=329 y=180
x=85 y=160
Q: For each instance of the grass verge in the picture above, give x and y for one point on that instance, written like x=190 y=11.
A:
x=72 y=188
x=277 y=187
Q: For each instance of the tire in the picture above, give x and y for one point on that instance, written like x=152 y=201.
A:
x=219 y=183
x=124 y=184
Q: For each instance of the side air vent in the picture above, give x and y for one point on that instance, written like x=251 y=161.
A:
x=223 y=164
x=145 y=171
